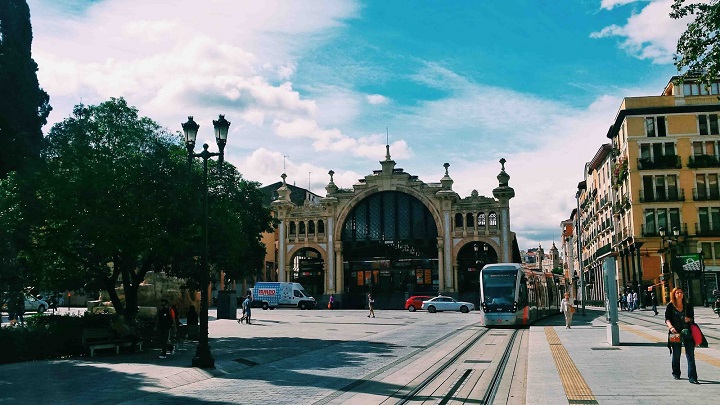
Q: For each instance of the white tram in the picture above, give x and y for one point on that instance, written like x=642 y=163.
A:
x=512 y=296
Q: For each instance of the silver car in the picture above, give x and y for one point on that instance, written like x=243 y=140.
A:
x=442 y=303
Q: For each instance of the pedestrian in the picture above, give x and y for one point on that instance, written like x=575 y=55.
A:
x=630 y=301
x=164 y=325
x=192 y=322
x=654 y=302
x=567 y=308
x=247 y=311
x=331 y=303
x=636 y=301
x=19 y=308
x=678 y=317
x=53 y=303
x=371 y=305
x=623 y=302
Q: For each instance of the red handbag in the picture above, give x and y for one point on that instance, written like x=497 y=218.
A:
x=698 y=335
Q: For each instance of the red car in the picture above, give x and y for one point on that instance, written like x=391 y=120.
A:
x=415 y=302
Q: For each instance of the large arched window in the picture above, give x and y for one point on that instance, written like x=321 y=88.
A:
x=389 y=216
x=469 y=221
x=321 y=226
x=481 y=220
x=292 y=228
x=311 y=228
x=302 y=228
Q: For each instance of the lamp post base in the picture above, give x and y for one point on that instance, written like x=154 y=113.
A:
x=203 y=358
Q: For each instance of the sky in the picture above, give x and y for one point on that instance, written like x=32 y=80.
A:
x=313 y=86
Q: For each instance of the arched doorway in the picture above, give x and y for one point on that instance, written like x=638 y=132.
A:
x=470 y=260
x=390 y=250
x=307 y=269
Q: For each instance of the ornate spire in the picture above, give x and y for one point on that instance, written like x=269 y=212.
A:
x=331 y=187
x=446 y=181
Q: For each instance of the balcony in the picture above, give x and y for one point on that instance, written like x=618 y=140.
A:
x=706 y=195
x=705 y=229
x=659 y=162
x=701 y=161
x=670 y=195
x=653 y=230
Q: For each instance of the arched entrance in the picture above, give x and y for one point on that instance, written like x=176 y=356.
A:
x=470 y=260
x=307 y=269
x=390 y=250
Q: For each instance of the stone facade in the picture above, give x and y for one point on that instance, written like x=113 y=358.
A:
x=352 y=240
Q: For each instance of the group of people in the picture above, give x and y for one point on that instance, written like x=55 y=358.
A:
x=168 y=322
x=629 y=302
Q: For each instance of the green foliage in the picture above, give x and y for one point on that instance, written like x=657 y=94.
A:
x=24 y=106
x=699 y=46
x=114 y=199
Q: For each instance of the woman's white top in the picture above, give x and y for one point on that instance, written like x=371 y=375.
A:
x=565 y=305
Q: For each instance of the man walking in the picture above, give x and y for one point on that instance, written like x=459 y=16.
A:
x=164 y=324
x=654 y=301
x=371 y=305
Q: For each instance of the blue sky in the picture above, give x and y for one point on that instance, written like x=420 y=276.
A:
x=463 y=82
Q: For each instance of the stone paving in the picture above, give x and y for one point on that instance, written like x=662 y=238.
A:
x=290 y=356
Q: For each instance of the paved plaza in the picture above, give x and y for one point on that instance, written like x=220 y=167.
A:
x=322 y=356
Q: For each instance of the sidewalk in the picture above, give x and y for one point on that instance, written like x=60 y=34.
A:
x=635 y=372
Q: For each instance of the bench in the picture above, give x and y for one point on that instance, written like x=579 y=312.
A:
x=102 y=338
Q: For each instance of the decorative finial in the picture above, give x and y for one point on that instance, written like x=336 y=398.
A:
x=283 y=177
x=502 y=163
x=387 y=152
x=446 y=165
x=331 y=173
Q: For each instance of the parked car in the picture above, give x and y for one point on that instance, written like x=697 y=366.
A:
x=415 y=302
x=442 y=303
x=31 y=304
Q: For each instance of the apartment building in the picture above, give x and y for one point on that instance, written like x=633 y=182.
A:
x=653 y=199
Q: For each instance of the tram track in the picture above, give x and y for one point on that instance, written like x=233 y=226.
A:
x=465 y=377
x=433 y=376
x=414 y=354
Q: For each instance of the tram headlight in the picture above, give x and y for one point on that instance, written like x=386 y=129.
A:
x=514 y=307
x=484 y=307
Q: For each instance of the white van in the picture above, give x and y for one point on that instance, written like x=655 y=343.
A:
x=279 y=294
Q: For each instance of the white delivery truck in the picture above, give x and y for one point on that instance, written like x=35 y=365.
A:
x=279 y=294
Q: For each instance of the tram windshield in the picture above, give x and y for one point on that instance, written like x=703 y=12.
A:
x=499 y=286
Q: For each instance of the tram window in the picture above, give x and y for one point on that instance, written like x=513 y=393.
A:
x=499 y=287
x=522 y=295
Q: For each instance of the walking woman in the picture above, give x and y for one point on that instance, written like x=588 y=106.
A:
x=567 y=309
x=678 y=315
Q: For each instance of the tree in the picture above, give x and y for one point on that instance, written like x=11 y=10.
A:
x=117 y=201
x=114 y=190
x=699 y=46
x=237 y=220
x=24 y=106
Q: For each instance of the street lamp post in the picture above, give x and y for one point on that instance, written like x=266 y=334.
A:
x=702 y=276
x=203 y=357
x=672 y=240
x=581 y=187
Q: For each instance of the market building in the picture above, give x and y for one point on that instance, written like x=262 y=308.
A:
x=393 y=235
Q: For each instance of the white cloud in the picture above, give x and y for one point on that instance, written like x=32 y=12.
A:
x=650 y=34
x=377 y=99
x=610 y=4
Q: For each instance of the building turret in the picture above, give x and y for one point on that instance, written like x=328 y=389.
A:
x=504 y=193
